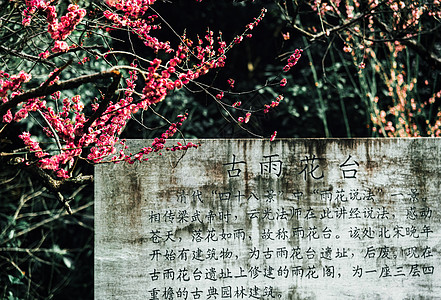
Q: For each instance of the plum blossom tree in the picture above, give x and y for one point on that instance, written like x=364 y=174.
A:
x=73 y=94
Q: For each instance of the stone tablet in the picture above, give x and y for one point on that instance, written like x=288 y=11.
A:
x=289 y=219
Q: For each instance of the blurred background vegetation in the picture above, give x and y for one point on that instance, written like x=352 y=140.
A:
x=366 y=78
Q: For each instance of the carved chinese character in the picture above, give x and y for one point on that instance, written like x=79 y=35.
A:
x=271 y=166
x=311 y=168
x=234 y=171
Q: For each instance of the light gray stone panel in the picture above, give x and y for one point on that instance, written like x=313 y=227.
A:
x=289 y=219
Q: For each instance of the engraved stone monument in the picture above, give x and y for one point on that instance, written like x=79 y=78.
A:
x=289 y=219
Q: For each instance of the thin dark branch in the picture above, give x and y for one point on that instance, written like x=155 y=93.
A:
x=56 y=73
x=427 y=55
x=57 y=140
x=57 y=185
x=27 y=56
x=108 y=98
x=79 y=48
x=313 y=37
x=57 y=86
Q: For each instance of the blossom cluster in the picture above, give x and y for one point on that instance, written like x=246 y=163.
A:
x=292 y=60
x=11 y=83
x=273 y=104
x=59 y=46
x=65 y=125
x=238 y=39
x=61 y=30
x=58 y=30
x=131 y=8
x=51 y=162
x=157 y=145
x=62 y=126
x=33 y=146
x=73 y=133
x=245 y=119
x=31 y=8
x=141 y=27
x=257 y=20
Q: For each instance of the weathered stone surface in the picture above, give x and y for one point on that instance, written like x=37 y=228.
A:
x=290 y=219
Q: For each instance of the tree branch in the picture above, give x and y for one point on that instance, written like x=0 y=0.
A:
x=312 y=37
x=57 y=140
x=427 y=55
x=57 y=185
x=45 y=221
x=108 y=97
x=79 y=48
x=57 y=86
x=27 y=56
